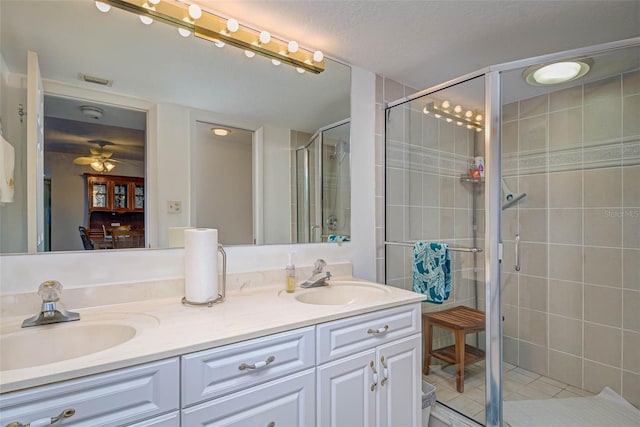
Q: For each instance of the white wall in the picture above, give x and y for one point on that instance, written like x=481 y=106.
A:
x=275 y=189
x=22 y=273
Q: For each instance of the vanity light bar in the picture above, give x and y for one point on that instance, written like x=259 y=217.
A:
x=443 y=111
x=214 y=28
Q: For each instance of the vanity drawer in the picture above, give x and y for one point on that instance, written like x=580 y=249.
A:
x=212 y=373
x=348 y=336
x=110 y=399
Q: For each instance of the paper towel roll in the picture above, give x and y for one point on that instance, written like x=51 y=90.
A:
x=201 y=264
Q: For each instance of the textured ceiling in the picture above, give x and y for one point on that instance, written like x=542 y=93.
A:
x=423 y=43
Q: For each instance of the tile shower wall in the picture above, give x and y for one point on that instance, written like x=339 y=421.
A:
x=425 y=199
x=573 y=311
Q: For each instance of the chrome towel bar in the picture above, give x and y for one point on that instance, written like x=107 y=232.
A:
x=451 y=248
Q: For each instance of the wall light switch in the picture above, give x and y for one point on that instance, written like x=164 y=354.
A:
x=174 y=206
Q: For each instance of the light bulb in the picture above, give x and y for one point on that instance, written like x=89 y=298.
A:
x=479 y=118
x=457 y=109
x=446 y=104
x=449 y=120
x=249 y=53
x=219 y=43
x=468 y=114
x=318 y=56
x=264 y=37
x=109 y=166
x=425 y=110
x=184 y=32
x=437 y=116
x=195 y=12
x=478 y=129
x=233 y=25
x=459 y=123
x=469 y=127
x=103 y=7
x=292 y=47
x=146 y=20
x=154 y=1
x=275 y=62
x=300 y=70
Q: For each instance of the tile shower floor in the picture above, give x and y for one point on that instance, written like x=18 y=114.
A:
x=519 y=384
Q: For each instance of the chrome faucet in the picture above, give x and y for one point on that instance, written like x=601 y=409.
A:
x=52 y=310
x=319 y=277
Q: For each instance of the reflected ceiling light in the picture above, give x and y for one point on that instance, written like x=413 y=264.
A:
x=249 y=53
x=300 y=70
x=220 y=131
x=103 y=7
x=441 y=112
x=191 y=19
x=91 y=111
x=557 y=72
x=100 y=165
x=275 y=62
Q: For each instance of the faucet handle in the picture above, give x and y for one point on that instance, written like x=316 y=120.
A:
x=50 y=291
x=319 y=265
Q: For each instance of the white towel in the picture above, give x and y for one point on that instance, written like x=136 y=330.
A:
x=7 y=162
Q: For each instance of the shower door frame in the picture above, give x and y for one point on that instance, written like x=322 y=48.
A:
x=493 y=204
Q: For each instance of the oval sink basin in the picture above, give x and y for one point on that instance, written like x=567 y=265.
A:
x=341 y=294
x=42 y=345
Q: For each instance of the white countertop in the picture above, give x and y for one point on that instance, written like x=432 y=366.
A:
x=166 y=328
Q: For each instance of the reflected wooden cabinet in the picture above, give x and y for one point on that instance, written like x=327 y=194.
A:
x=115 y=193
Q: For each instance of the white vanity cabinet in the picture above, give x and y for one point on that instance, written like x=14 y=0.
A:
x=369 y=370
x=267 y=381
x=116 y=398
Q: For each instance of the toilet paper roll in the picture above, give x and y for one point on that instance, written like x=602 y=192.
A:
x=201 y=264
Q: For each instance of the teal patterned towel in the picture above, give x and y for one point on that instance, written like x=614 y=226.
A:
x=432 y=271
x=337 y=238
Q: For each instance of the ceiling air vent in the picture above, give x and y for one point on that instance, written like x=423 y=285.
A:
x=95 y=80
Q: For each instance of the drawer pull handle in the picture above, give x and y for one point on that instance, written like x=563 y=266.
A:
x=382 y=330
x=375 y=376
x=385 y=372
x=257 y=365
x=67 y=413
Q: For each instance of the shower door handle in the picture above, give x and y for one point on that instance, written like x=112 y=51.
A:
x=517 y=252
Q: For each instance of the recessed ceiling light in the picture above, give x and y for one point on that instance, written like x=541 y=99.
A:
x=220 y=131
x=557 y=72
x=91 y=111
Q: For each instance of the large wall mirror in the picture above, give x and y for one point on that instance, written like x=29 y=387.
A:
x=132 y=121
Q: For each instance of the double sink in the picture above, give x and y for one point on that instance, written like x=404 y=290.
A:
x=22 y=348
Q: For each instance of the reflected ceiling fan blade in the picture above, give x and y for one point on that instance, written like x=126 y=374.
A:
x=84 y=160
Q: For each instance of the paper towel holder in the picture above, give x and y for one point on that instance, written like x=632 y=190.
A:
x=223 y=292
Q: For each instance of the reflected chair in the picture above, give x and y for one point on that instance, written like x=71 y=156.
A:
x=122 y=237
x=86 y=241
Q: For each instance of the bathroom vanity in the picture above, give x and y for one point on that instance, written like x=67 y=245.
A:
x=343 y=355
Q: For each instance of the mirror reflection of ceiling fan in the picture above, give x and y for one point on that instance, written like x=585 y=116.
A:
x=100 y=159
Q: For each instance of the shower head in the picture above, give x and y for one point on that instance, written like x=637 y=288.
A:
x=509 y=198
x=513 y=200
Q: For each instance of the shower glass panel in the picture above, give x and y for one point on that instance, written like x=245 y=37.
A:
x=571 y=267
x=323 y=186
x=433 y=195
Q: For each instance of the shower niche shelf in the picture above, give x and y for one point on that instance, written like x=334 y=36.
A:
x=469 y=178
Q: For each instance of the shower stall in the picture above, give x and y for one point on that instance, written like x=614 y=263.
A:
x=323 y=185
x=548 y=229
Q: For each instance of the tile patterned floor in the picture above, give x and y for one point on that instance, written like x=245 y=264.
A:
x=519 y=384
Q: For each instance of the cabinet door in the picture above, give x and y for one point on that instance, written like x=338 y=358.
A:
x=138 y=196
x=121 y=199
x=111 y=399
x=98 y=193
x=167 y=420
x=399 y=399
x=346 y=391
x=286 y=402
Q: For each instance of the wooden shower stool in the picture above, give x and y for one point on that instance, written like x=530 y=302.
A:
x=461 y=321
